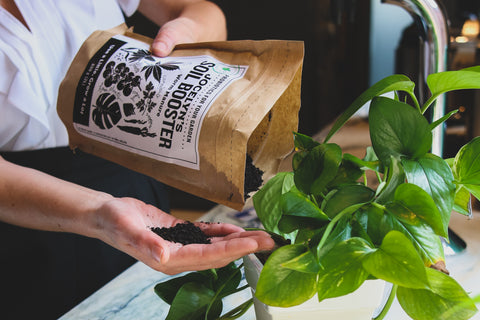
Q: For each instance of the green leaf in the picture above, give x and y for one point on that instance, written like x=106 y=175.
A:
x=397 y=261
x=348 y=172
x=283 y=287
x=372 y=165
x=411 y=202
x=295 y=203
x=445 y=300
x=342 y=271
x=442 y=82
x=420 y=234
x=317 y=168
x=304 y=142
x=347 y=196
x=267 y=201
x=289 y=224
x=395 y=177
x=228 y=280
x=190 y=302
x=442 y=119
x=397 y=129
x=466 y=167
x=168 y=289
x=299 y=212
x=391 y=83
x=462 y=201
x=305 y=262
x=433 y=174
x=342 y=230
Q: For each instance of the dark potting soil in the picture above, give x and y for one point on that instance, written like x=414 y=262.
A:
x=184 y=233
x=253 y=177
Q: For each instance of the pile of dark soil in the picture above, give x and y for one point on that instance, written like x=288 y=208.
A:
x=184 y=233
x=253 y=177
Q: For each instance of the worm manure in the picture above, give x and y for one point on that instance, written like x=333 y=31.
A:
x=184 y=233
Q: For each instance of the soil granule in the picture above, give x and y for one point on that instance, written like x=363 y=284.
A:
x=253 y=177
x=184 y=233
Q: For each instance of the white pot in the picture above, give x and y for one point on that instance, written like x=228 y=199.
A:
x=363 y=304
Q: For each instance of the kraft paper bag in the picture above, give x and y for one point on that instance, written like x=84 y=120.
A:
x=213 y=119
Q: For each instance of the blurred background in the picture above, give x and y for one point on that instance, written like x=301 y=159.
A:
x=349 y=45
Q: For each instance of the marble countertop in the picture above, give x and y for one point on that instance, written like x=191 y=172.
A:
x=131 y=294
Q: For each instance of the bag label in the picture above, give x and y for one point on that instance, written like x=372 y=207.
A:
x=148 y=105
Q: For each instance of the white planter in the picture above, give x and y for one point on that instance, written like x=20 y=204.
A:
x=363 y=304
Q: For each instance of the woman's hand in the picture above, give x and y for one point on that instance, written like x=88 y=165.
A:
x=32 y=199
x=183 y=21
x=125 y=224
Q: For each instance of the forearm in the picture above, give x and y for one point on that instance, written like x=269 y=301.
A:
x=32 y=199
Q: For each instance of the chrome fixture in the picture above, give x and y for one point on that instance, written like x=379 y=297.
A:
x=431 y=21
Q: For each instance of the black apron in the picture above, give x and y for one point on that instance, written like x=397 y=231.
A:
x=45 y=274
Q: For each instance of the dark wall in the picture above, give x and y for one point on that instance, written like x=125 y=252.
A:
x=336 y=36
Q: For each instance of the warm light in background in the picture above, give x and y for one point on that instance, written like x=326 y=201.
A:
x=461 y=39
x=471 y=28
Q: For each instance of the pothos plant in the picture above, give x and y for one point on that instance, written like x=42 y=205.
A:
x=343 y=232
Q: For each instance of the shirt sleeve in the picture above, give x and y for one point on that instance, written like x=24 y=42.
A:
x=128 y=6
x=21 y=127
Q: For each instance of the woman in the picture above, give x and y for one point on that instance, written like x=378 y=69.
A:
x=44 y=186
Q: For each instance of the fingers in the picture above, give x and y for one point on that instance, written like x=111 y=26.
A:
x=218 y=229
x=218 y=254
x=176 y=31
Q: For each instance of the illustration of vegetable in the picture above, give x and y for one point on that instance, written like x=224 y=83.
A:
x=137 y=131
x=121 y=75
x=106 y=112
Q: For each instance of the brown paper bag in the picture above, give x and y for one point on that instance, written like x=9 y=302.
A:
x=188 y=120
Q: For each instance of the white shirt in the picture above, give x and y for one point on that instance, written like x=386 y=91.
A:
x=34 y=60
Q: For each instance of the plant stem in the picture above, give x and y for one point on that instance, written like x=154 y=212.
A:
x=377 y=205
x=330 y=226
x=314 y=200
x=379 y=178
x=415 y=101
x=429 y=102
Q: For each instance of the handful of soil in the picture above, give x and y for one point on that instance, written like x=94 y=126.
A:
x=184 y=233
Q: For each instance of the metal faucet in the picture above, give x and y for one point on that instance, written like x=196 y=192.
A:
x=431 y=21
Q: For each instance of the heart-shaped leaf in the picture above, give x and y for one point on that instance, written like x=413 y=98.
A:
x=445 y=300
x=397 y=261
x=284 y=287
x=433 y=174
x=267 y=200
x=191 y=302
x=317 y=168
x=347 y=196
x=411 y=202
x=342 y=271
x=398 y=130
x=466 y=167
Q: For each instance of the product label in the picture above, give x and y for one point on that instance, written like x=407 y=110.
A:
x=148 y=105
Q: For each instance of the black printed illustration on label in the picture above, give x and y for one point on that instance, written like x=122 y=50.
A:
x=148 y=105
